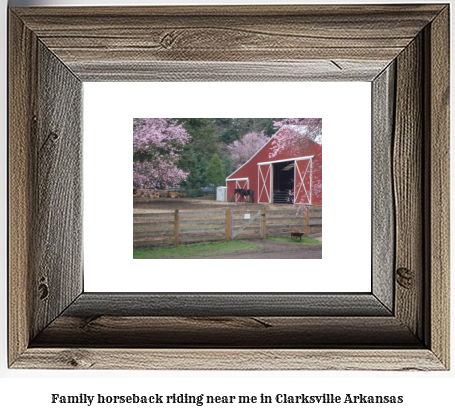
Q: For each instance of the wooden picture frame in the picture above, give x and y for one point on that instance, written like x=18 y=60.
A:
x=403 y=324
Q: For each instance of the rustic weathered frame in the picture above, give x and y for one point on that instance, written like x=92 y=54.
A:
x=402 y=324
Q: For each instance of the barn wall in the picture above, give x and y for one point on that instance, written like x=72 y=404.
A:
x=250 y=169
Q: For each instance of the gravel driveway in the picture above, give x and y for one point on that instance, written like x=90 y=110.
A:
x=277 y=250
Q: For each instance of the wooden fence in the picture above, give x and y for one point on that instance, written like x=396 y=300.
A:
x=183 y=227
x=313 y=221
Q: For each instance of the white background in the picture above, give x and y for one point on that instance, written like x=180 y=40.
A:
x=29 y=391
x=345 y=109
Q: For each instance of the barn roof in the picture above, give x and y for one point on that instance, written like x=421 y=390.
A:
x=297 y=128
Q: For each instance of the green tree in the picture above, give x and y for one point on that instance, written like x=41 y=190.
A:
x=203 y=140
x=196 y=166
x=216 y=173
x=229 y=130
x=227 y=161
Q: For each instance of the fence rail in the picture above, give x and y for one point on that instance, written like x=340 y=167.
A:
x=178 y=227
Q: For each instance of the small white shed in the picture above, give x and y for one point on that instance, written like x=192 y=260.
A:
x=221 y=193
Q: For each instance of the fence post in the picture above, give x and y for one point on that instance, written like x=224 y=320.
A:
x=227 y=230
x=261 y=225
x=307 y=222
x=176 y=227
x=231 y=223
x=264 y=223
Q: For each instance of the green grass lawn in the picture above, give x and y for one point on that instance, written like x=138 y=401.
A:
x=194 y=250
x=206 y=249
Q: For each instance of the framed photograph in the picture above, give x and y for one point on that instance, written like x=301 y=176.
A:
x=401 y=323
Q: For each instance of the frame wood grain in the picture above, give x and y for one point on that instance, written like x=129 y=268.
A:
x=402 y=324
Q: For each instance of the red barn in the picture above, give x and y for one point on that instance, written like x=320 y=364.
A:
x=287 y=169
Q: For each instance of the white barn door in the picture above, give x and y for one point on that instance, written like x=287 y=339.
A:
x=264 y=183
x=303 y=181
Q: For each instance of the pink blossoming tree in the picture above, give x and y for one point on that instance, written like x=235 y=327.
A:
x=157 y=143
x=296 y=133
x=242 y=150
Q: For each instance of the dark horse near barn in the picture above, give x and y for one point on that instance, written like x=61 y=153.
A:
x=247 y=194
